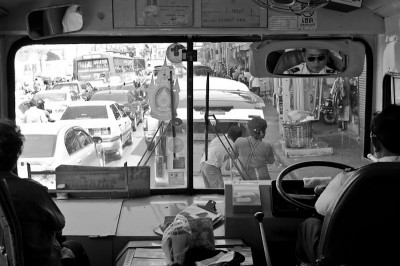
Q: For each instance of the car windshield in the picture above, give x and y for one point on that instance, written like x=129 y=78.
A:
x=39 y=146
x=85 y=112
x=117 y=97
x=51 y=97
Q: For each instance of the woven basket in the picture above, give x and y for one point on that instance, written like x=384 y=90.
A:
x=297 y=135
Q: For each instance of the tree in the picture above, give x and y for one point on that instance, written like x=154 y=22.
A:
x=50 y=56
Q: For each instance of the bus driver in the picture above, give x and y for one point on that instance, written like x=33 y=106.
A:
x=385 y=131
x=315 y=61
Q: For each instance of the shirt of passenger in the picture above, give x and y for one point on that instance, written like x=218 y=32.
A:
x=217 y=154
x=328 y=198
x=39 y=218
x=263 y=155
x=35 y=115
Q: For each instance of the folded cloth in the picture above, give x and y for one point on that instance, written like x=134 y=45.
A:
x=312 y=182
x=205 y=257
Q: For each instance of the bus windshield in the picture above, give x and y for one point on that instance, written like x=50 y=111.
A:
x=318 y=116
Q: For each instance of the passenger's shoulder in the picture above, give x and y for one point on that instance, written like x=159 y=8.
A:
x=241 y=140
x=329 y=70
x=294 y=70
x=266 y=144
x=28 y=182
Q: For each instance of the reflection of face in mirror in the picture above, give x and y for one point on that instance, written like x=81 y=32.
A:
x=306 y=61
x=315 y=59
x=72 y=20
x=314 y=62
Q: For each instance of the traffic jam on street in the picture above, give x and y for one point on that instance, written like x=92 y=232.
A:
x=95 y=123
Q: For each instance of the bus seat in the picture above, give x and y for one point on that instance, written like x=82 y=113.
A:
x=11 y=245
x=288 y=60
x=363 y=228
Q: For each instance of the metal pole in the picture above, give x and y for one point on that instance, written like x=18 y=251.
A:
x=259 y=216
x=173 y=114
x=206 y=120
x=233 y=159
x=227 y=59
x=241 y=164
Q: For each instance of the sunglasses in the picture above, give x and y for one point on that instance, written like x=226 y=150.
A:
x=313 y=58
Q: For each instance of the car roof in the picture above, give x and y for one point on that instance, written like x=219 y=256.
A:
x=113 y=91
x=201 y=66
x=91 y=103
x=44 y=128
x=70 y=82
x=47 y=92
x=216 y=83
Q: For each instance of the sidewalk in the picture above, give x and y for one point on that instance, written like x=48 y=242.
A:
x=347 y=147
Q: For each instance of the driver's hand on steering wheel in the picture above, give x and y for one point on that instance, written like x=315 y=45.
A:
x=319 y=189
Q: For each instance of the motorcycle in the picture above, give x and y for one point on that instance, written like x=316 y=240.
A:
x=328 y=111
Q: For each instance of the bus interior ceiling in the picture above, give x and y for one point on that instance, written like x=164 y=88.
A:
x=107 y=221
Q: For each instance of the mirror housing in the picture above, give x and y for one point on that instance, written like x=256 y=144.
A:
x=345 y=58
x=54 y=21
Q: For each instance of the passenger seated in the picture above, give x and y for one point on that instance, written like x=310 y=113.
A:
x=40 y=219
x=385 y=129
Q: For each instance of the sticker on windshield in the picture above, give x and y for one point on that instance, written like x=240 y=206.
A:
x=163 y=95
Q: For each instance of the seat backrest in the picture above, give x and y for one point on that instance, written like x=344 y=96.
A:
x=10 y=232
x=364 y=226
x=288 y=60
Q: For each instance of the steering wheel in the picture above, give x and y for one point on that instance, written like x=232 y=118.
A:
x=294 y=198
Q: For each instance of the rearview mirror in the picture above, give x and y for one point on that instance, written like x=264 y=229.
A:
x=307 y=58
x=54 y=21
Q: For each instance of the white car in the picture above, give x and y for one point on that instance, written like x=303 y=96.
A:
x=56 y=101
x=105 y=119
x=49 y=145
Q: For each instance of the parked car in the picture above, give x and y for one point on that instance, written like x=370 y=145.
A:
x=49 y=145
x=56 y=101
x=106 y=119
x=85 y=90
x=126 y=98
